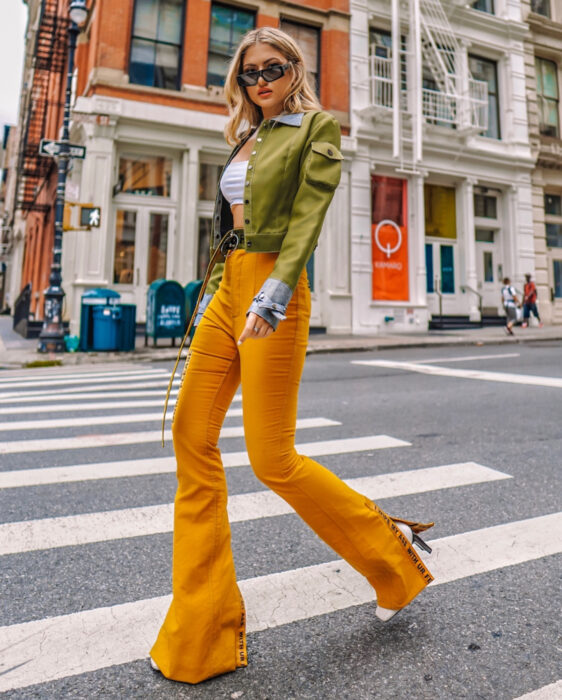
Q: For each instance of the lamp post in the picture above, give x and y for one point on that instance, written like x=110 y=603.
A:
x=51 y=338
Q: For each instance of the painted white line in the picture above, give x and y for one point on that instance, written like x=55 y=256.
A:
x=526 y=379
x=35 y=401
x=166 y=465
x=79 y=407
x=137 y=438
x=553 y=691
x=38 y=651
x=117 y=383
x=71 y=530
x=95 y=420
x=470 y=358
x=46 y=380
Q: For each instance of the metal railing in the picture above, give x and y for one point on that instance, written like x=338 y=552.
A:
x=466 y=288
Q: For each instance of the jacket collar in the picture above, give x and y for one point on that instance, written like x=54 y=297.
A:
x=294 y=119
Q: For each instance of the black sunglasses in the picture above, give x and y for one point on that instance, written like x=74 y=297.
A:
x=269 y=74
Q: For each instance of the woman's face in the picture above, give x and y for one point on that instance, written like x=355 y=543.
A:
x=268 y=96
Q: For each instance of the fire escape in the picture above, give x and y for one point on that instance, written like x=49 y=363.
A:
x=424 y=79
x=48 y=63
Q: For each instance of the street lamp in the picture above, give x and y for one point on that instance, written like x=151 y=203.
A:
x=51 y=338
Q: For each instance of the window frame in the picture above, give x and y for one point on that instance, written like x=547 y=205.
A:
x=181 y=46
x=541 y=97
x=318 y=30
x=548 y=12
x=230 y=6
x=497 y=94
x=488 y=12
x=552 y=219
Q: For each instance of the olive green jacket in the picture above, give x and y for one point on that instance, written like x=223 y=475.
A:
x=292 y=174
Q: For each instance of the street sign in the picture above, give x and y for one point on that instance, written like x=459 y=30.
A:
x=47 y=147
x=90 y=216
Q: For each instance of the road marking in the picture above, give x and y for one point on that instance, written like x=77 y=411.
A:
x=167 y=465
x=57 y=647
x=78 y=407
x=553 y=691
x=71 y=530
x=46 y=380
x=35 y=400
x=96 y=420
x=526 y=379
x=470 y=358
x=111 y=439
x=116 y=383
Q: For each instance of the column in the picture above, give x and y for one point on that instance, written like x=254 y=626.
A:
x=469 y=244
x=416 y=234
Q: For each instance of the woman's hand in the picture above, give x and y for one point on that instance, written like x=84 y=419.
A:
x=256 y=327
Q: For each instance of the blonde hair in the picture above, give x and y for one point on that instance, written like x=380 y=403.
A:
x=244 y=114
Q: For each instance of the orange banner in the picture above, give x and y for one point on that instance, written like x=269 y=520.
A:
x=390 y=261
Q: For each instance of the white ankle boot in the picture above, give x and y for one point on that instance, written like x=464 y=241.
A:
x=154 y=665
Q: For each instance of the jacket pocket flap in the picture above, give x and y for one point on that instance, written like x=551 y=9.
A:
x=327 y=149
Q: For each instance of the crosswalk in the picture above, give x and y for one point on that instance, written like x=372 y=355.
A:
x=36 y=651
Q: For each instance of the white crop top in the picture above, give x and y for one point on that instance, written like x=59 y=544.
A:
x=232 y=182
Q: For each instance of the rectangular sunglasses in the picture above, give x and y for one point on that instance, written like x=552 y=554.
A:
x=269 y=74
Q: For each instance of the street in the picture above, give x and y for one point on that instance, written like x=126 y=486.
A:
x=467 y=437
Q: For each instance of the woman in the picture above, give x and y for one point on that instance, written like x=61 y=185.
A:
x=279 y=181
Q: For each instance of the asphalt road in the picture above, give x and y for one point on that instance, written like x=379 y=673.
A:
x=480 y=428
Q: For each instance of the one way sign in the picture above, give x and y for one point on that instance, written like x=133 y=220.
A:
x=47 y=147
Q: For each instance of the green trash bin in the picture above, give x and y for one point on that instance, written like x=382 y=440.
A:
x=165 y=311
x=90 y=299
x=192 y=290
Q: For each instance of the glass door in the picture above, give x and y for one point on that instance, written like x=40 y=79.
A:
x=440 y=265
x=142 y=249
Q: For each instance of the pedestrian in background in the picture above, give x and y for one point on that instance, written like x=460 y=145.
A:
x=530 y=301
x=510 y=304
x=273 y=196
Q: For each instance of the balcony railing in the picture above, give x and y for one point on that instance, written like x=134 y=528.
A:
x=441 y=108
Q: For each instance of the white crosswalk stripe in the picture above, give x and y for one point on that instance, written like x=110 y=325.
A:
x=47 y=533
x=162 y=465
x=38 y=651
x=113 y=439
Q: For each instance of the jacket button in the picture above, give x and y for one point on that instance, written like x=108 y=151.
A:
x=330 y=152
x=246 y=201
x=246 y=221
x=250 y=167
x=254 y=153
x=247 y=183
x=259 y=139
x=248 y=244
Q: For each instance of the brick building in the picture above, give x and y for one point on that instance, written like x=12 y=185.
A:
x=148 y=106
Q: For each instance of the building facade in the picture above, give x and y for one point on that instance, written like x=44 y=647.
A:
x=148 y=107
x=544 y=84
x=441 y=200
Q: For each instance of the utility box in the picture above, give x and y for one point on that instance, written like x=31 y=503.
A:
x=165 y=311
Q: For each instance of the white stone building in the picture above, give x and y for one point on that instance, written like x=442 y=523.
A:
x=441 y=205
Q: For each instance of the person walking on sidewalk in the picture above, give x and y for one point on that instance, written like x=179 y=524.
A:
x=510 y=304
x=273 y=196
x=530 y=301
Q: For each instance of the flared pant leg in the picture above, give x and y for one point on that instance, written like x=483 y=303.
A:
x=203 y=634
x=356 y=528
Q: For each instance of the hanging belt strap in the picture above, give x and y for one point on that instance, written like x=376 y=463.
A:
x=228 y=243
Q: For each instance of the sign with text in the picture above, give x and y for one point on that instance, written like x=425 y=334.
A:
x=389 y=239
x=47 y=147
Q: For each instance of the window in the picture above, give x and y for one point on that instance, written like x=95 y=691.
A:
x=308 y=39
x=145 y=175
x=484 y=6
x=483 y=69
x=125 y=232
x=157 y=247
x=228 y=26
x=485 y=206
x=557 y=279
x=547 y=97
x=553 y=220
x=203 y=250
x=541 y=7
x=156 y=43
x=440 y=211
x=209 y=176
x=484 y=235
x=488 y=266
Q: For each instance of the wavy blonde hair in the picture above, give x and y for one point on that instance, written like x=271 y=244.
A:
x=244 y=114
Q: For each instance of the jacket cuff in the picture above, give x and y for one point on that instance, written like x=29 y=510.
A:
x=201 y=310
x=271 y=301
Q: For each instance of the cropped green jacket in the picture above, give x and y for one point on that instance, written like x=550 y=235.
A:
x=292 y=174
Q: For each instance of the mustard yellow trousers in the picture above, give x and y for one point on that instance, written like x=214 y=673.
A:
x=203 y=634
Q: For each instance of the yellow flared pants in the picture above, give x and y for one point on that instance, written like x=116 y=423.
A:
x=203 y=634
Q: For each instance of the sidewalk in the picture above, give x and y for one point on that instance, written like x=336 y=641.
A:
x=17 y=352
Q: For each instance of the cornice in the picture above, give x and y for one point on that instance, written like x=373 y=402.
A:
x=545 y=26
